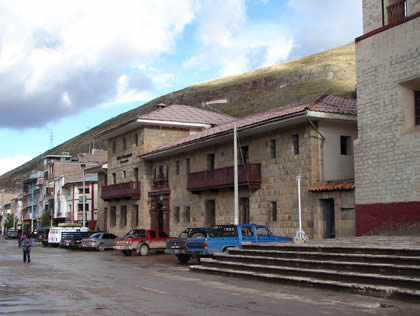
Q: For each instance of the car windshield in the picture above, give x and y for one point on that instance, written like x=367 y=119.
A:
x=136 y=233
x=95 y=236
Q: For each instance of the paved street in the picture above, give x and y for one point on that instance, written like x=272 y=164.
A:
x=65 y=282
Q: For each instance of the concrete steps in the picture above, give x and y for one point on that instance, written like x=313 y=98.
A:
x=382 y=272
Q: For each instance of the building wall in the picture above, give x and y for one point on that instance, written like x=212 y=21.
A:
x=121 y=161
x=387 y=164
x=335 y=165
x=373 y=12
x=278 y=185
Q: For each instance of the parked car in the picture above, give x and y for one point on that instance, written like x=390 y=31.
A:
x=222 y=238
x=11 y=233
x=141 y=241
x=73 y=240
x=99 y=241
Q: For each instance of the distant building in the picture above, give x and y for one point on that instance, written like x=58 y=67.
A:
x=387 y=152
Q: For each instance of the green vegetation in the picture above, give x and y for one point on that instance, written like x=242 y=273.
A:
x=45 y=219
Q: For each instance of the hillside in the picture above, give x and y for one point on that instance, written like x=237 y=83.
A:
x=332 y=71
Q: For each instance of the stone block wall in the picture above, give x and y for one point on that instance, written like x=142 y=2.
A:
x=387 y=153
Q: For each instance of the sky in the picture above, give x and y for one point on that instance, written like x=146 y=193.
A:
x=68 y=66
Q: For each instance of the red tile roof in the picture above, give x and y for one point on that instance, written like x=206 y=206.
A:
x=187 y=114
x=325 y=103
x=332 y=186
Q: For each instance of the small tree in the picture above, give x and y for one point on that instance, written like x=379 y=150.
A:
x=9 y=222
x=45 y=219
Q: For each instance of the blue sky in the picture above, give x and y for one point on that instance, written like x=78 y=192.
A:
x=66 y=67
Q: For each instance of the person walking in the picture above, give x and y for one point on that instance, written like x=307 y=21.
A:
x=26 y=247
x=19 y=237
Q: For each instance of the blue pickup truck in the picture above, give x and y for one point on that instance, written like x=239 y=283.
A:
x=219 y=239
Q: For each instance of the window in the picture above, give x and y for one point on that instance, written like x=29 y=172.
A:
x=417 y=107
x=210 y=162
x=295 y=141
x=114 y=147
x=273 y=150
x=86 y=190
x=123 y=217
x=114 y=178
x=345 y=145
x=244 y=155
x=135 y=216
x=136 y=139
x=124 y=174
x=124 y=143
x=152 y=234
x=162 y=235
x=136 y=174
x=176 y=214
x=274 y=211
x=210 y=219
x=262 y=231
x=396 y=11
x=187 y=165
x=187 y=215
x=177 y=167
x=113 y=216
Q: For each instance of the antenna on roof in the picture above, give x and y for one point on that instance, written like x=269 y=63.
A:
x=51 y=139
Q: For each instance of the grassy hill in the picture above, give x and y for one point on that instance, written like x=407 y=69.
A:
x=332 y=71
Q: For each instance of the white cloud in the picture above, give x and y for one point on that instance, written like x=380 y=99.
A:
x=229 y=43
x=58 y=58
x=9 y=163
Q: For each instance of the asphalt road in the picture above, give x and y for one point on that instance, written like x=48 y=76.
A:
x=66 y=282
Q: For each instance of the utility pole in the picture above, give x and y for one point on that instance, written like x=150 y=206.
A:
x=235 y=174
x=84 y=195
x=2 y=210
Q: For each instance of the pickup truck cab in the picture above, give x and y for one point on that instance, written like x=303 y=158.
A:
x=141 y=241
x=222 y=237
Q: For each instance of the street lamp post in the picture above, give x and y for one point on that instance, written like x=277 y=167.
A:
x=84 y=195
x=300 y=234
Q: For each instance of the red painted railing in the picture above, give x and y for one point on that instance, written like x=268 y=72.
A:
x=128 y=190
x=396 y=11
x=248 y=175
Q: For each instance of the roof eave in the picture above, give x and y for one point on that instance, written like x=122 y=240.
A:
x=278 y=122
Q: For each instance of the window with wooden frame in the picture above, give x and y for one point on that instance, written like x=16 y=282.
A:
x=295 y=140
x=177 y=167
x=273 y=211
x=124 y=143
x=176 y=214
x=273 y=149
x=187 y=214
x=345 y=145
x=210 y=162
x=417 y=107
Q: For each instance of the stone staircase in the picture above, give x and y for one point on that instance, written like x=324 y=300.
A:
x=379 y=271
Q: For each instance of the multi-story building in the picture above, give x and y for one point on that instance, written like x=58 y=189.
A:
x=180 y=173
x=75 y=198
x=31 y=188
x=387 y=152
x=60 y=170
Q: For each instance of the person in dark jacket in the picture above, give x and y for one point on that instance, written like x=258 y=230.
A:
x=26 y=247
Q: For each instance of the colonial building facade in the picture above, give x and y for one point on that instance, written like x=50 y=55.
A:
x=387 y=152
x=180 y=172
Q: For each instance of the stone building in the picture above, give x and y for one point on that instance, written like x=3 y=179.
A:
x=180 y=172
x=387 y=152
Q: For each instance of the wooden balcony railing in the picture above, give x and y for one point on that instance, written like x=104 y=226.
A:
x=128 y=190
x=248 y=175
x=396 y=11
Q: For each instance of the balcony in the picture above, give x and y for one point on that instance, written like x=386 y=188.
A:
x=248 y=175
x=128 y=190
x=396 y=11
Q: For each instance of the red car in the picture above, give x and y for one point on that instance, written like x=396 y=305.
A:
x=141 y=241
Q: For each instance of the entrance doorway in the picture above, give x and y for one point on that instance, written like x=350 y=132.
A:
x=159 y=212
x=327 y=206
x=210 y=220
x=244 y=211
